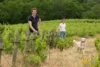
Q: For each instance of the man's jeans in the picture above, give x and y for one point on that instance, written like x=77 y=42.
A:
x=62 y=34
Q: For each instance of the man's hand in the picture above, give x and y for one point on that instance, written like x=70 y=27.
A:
x=35 y=31
x=30 y=24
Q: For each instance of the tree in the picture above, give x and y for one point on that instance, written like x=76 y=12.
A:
x=93 y=13
x=17 y=11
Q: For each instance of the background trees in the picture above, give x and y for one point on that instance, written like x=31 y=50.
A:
x=17 y=11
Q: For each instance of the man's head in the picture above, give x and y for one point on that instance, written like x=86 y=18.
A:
x=34 y=11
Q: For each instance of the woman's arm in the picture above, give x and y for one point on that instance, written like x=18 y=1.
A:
x=58 y=28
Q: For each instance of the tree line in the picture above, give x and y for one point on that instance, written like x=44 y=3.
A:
x=17 y=11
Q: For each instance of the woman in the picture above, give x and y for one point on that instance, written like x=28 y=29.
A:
x=62 y=28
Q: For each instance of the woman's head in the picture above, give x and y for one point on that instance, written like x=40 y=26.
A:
x=63 y=20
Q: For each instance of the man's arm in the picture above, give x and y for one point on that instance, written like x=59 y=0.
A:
x=30 y=24
x=39 y=23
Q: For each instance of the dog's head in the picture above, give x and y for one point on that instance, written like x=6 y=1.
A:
x=83 y=39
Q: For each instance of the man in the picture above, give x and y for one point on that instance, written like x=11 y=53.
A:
x=34 y=21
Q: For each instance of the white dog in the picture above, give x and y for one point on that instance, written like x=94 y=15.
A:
x=80 y=44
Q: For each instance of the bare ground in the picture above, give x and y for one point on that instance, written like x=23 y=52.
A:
x=6 y=60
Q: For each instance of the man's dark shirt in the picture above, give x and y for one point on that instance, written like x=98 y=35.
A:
x=34 y=22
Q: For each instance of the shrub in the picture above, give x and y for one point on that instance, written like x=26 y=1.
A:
x=34 y=60
x=97 y=44
x=40 y=48
x=61 y=44
x=69 y=42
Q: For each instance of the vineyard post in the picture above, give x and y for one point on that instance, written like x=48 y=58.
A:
x=15 y=51
x=48 y=44
x=25 y=50
x=26 y=44
x=48 y=38
x=1 y=48
x=56 y=34
x=43 y=34
x=54 y=37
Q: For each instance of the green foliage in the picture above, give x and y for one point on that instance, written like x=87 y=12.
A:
x=17 y=11
x=94 y=12
x=97 y=44
x=40 y=48
x=40 y=51
x=74 y=28
x=61 y=44
x=97 y=61
x=64 y=43
x=1 y=29
x=69 y=42
x=34 y=60
x=22 y=40
x=8 y=40
x=52 y=39
x=8 y=48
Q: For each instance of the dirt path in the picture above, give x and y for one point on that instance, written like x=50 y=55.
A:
x=70 y=57
x=6 y=60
